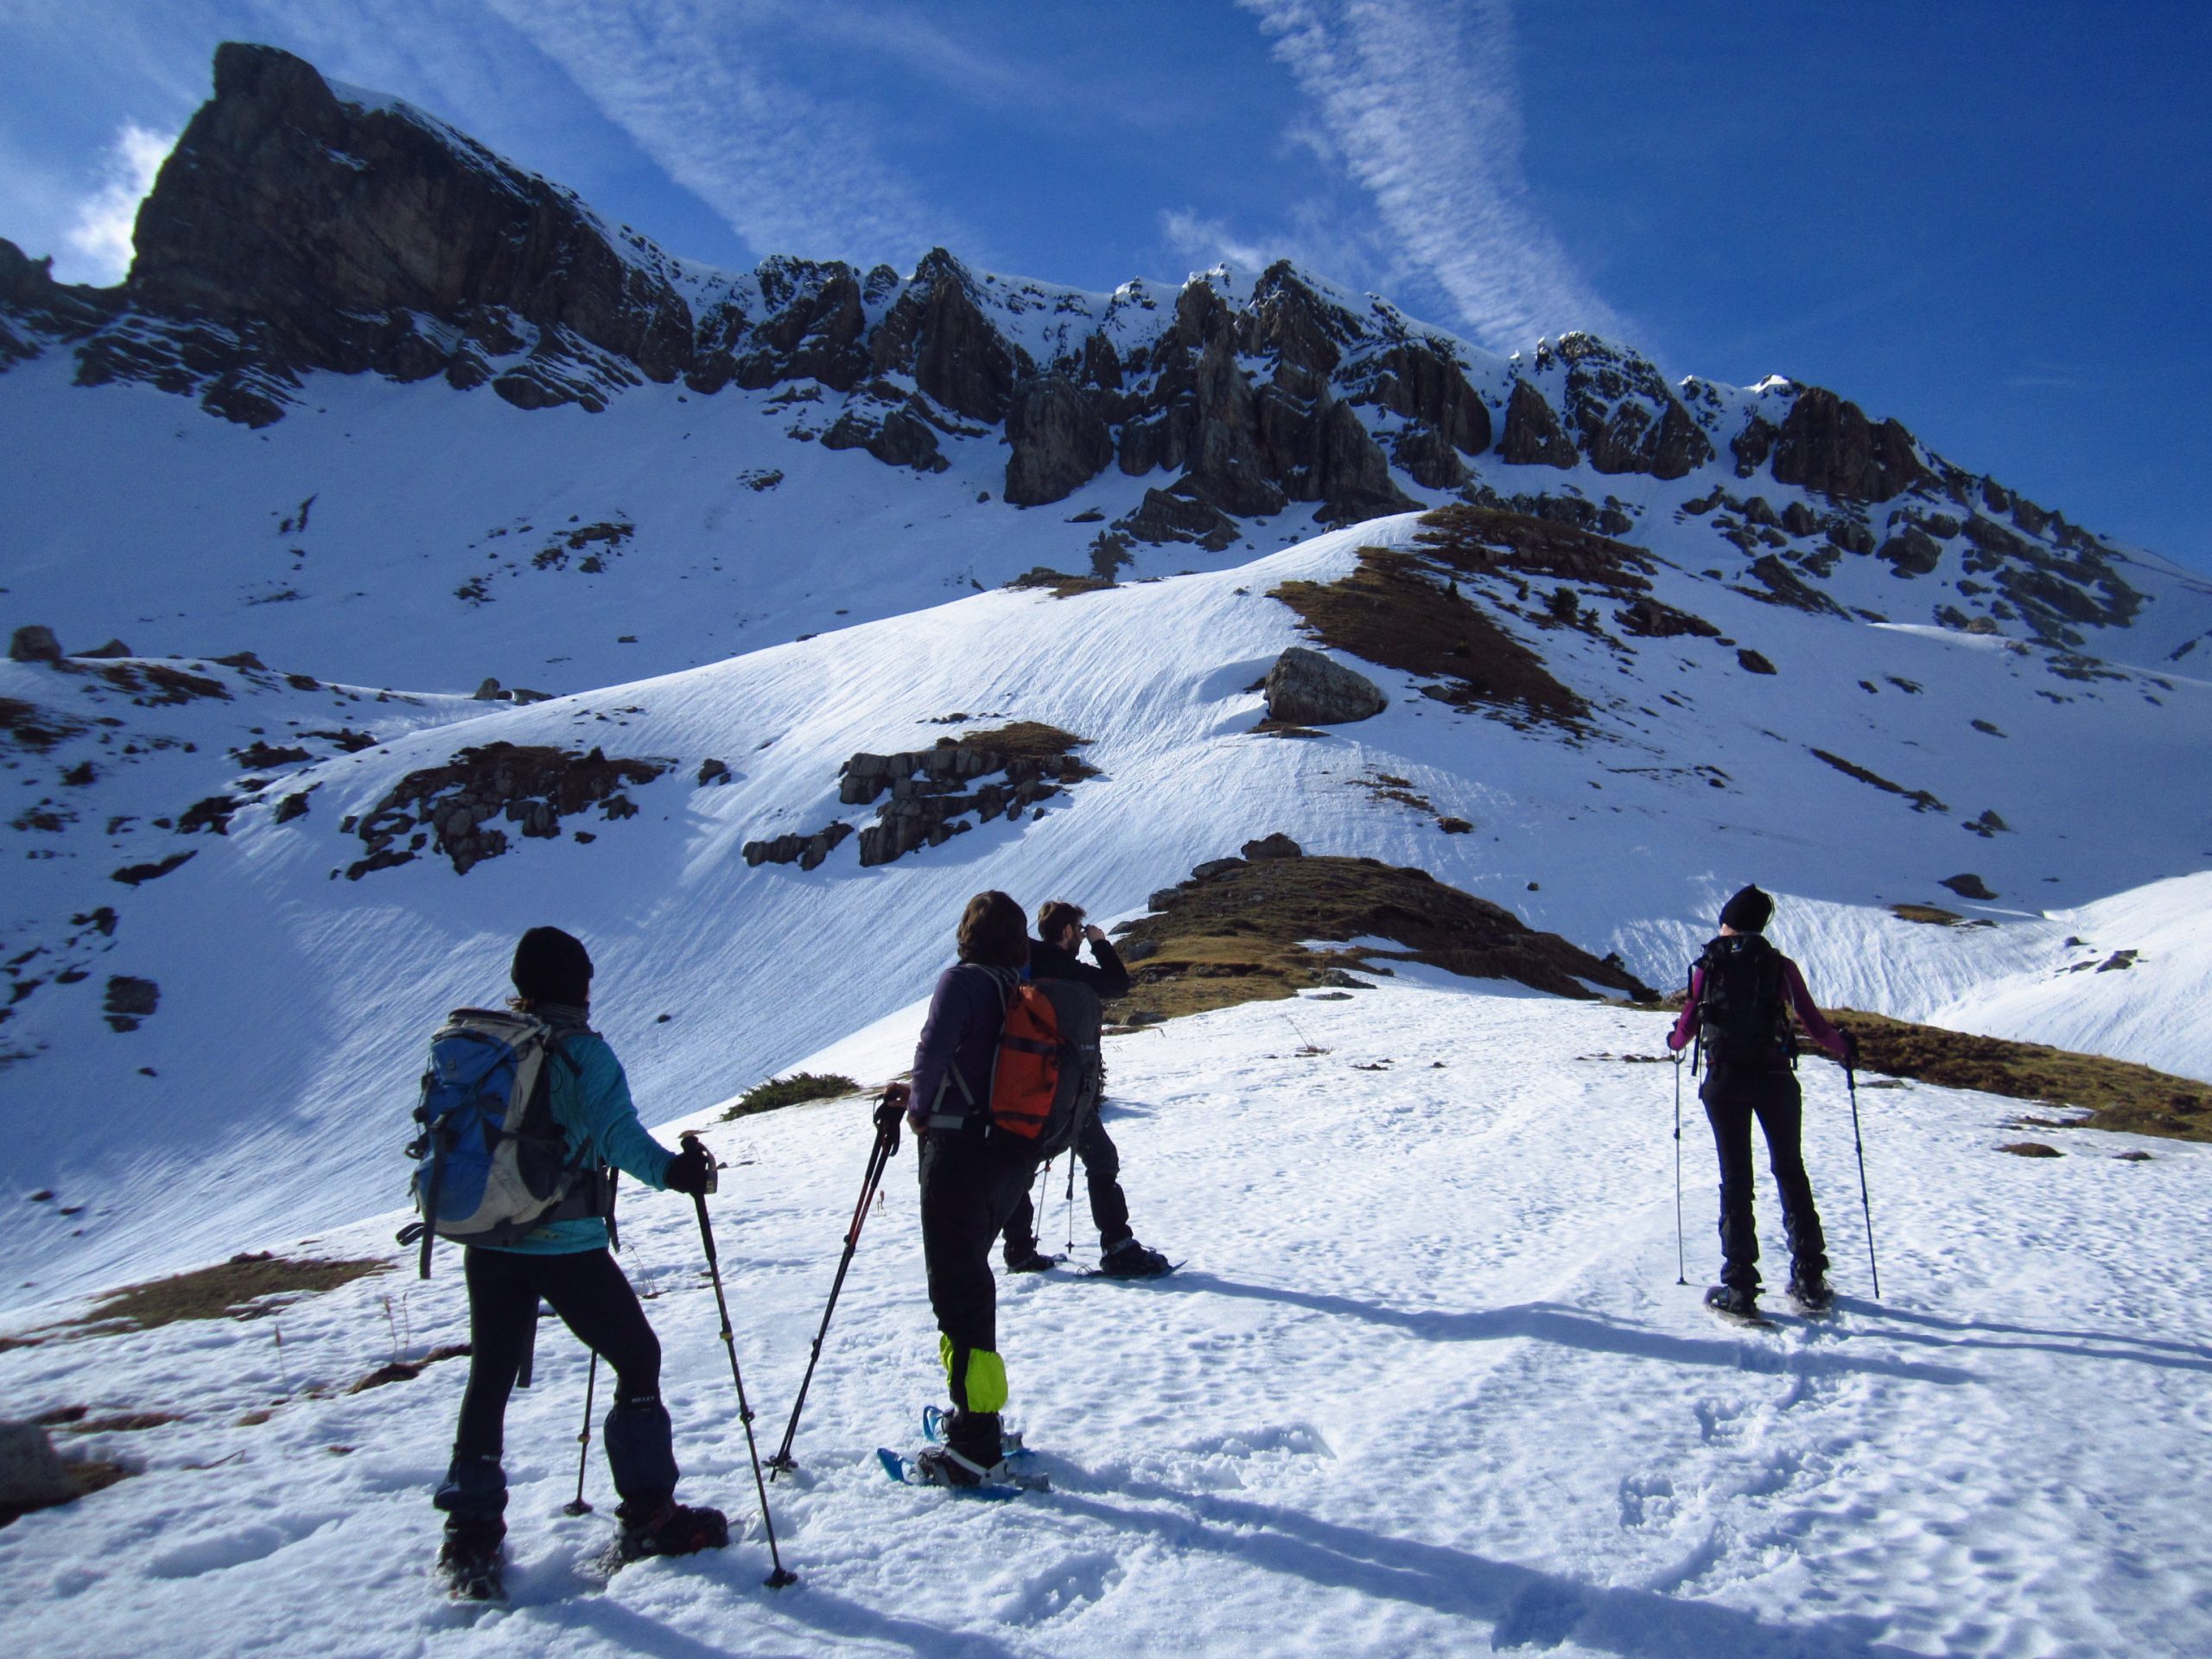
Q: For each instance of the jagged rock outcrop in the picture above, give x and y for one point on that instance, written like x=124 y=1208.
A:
x=1533 y=434
x=456 y=808
x=1304 y=688
x=937 y=793
x=1626 y=417
x=1060 y=441
x=34 y=308
x=936 y=334
x=1828 y=444
x=291 y=230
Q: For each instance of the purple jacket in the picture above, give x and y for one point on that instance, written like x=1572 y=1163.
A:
x=1816 y=1024
x=960 y=1034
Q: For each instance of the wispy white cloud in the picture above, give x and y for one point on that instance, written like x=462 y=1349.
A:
x=99 y=240
x=1206 y=241
x=692 y=83
x=1421 y=98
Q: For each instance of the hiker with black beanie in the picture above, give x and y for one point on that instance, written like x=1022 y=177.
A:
x=567 y=1263
x=1054 y=955
x=1742 y=991
x=971 y=1178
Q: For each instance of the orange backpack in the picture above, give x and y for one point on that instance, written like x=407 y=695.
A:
x=1046 y=1074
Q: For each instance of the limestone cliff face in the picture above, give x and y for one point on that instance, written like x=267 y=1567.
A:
x=300 y=227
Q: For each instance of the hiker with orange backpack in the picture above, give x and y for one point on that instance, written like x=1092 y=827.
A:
x=971 y=1179
x=999 y=1072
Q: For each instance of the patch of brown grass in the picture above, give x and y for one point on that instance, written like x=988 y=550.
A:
x=1029 y=740
x=1391 y=610
x=221 y=1291
x=2115 y=1094
x=1483 y=541
x=1237 y=935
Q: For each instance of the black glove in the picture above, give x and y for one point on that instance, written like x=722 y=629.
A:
x=888 y=1112
x=1850 y=1050
x=691 y=1171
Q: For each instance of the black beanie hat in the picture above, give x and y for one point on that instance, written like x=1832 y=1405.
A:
x=1748 y=911
x=551 y=966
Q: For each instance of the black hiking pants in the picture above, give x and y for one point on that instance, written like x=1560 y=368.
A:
x=1733 y=1096
x=970 y=1188
x=1102 y=1174
x=595 y=1301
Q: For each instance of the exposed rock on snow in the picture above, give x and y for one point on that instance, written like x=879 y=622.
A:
x=34 y=643
x=455 y=805
x=806 y=851
x=1304 y=688
x=129 y=1000
x=1013 y=769
x=32 y=1474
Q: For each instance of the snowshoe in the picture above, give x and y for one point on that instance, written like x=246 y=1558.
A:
x=1130 y=1259
x=1031 y=1261
x=1813 y=1295
x=1737 y=1306
x=670 y=1529
x=940 y=1465
x=470 y=1567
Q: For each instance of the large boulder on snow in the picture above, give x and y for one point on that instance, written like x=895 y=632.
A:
x=32 y=1474
x=34 y=643
x=1305 y=689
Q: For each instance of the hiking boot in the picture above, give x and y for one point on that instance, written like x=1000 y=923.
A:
x=469 y=1560
x=1812 y=1292
x=670 y=1529
x=940 y=1465
x=1027 y=1259
x=1130 y=1259
x=1734 y=1303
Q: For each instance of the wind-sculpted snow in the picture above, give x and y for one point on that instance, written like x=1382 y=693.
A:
x=1425 y=1385
x=293 y=1002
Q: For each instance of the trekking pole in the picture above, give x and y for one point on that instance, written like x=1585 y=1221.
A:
x=1067 y=1210
x=1851 y=1082
x=886 y=1143
x=576 y=1504
x=783 y=1575
x=1681 y=1271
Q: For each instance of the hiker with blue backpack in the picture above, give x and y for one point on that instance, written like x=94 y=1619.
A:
x=533 y=1202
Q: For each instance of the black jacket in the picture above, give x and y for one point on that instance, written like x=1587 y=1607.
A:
x=1110 y=978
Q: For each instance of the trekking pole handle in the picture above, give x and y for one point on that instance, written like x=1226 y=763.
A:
x=693 y=1143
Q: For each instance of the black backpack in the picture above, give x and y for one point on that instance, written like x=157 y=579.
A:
x=1743 y=1013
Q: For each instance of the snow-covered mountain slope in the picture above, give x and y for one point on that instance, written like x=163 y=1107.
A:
x=2130 y=975
x=355 y=896
x=1425 y=1386
x=450 y=423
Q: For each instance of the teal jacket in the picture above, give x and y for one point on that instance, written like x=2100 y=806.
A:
x=591 y=1103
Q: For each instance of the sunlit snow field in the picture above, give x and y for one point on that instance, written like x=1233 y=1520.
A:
x=1426 y=1383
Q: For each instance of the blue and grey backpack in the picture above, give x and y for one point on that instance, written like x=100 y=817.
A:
x=491 y=1162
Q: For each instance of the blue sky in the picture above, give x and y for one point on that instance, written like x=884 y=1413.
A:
x=1991 y=220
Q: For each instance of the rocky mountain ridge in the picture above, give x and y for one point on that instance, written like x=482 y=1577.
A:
x=303 y=226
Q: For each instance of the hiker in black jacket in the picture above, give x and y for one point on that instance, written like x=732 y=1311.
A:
x=970 y=1178
x=1054 y=957
x=1741 y=993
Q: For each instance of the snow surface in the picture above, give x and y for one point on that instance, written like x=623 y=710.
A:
x=292 y=1063
x=1427 y=1385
